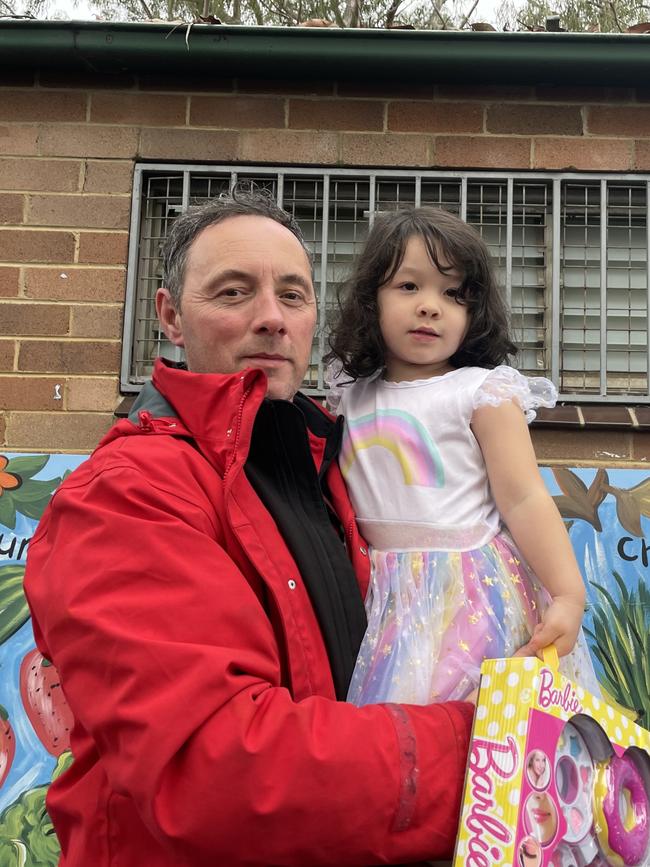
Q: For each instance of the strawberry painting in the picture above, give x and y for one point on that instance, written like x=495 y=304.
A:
x=45 y=703
x=7 y=744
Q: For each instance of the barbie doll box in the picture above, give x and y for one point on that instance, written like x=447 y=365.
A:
x=555 y=776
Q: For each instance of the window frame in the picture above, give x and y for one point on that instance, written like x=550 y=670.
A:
x=554 y=250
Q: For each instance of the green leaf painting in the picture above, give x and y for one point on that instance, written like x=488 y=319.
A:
x=27 y=837
x=13 y=605
x=20 y=492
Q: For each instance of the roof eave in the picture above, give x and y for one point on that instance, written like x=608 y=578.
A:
x=331 y=53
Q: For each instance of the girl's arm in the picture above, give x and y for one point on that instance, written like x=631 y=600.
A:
x=530 y=514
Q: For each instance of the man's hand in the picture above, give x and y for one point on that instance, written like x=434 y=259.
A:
x=559 y=626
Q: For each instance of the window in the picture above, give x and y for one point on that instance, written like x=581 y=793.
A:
x=571 y=252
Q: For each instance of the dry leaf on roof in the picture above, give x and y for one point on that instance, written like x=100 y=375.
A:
x=641 y=27
x=316 y=22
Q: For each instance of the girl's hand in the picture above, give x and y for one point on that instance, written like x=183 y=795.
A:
x=559 y=626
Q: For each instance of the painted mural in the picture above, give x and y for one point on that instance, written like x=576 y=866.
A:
x=34 y=717
x=607 y=512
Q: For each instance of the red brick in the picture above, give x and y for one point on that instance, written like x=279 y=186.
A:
x=101 y=212
x=41 y=106
x=590 y=154
x=19 y=140
x=68 y=356
x=289 y=146
x=34 y=320
x=94 y=321
x=487 y=92
x=53 y=176
x=386 y=89
x=75 y=284
x=103 y=248
x=144 y=109
x=3 y=427
x=93 y=394
x=108 y=176
x=31 y=393
x=7 y=353
x=88 y=81
x=72 y=140
x=388 y=149
x=11 y=208
x=186 y=83
x=285 y=86
x=236 y=112
x=532 y=118
x=188 y=144
x=9 y=282
x=34 y=245
x=435 y=116
x=633 y=121
x=588 y=445
x=494 y=152
x=642 y=155
x=69 y=431
x=331 y=114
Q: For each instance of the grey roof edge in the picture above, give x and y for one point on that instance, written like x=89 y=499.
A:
x=462 y=57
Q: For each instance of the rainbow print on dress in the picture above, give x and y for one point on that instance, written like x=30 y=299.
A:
x=555 y=777
x=404 y=436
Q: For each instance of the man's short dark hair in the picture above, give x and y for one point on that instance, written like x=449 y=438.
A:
x=240 y=202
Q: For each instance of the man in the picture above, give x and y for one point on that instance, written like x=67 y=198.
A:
x=196 y=582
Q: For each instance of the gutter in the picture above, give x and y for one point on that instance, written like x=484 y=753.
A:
x=416 y=56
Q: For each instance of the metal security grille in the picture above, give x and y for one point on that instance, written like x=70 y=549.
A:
x=571 y=252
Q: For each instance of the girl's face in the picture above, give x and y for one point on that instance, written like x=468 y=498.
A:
x=539 y=764
x=421 y=321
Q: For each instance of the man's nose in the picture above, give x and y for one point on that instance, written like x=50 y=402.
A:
x=269 y=313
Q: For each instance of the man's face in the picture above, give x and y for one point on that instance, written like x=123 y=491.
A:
x=248 y=301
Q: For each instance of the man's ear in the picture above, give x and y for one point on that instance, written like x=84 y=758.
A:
x=169 y=317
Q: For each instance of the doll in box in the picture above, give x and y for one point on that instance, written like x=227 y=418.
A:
x=556 y=777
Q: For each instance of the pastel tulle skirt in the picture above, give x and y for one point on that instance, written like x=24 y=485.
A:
x=434 y=616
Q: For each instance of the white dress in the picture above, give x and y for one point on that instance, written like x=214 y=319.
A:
x=448 y=586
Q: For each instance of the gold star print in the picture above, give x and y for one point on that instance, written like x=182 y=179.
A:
x=464 y=646
x=506 y=594
x=472 y=576
x=474 y=618
x=489 y=610
x=489 y=582
x=518 y=562
x=515 y=578
x=386 y=649
x=511 y=560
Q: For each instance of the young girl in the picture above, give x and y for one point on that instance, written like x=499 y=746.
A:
x=470 y=557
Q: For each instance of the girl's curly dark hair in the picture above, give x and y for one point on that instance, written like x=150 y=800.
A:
x=355 y=336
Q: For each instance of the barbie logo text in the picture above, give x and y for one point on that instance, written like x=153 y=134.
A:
x=488 y=760
x=565 y=698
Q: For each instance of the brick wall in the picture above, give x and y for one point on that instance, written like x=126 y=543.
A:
x=66 y=161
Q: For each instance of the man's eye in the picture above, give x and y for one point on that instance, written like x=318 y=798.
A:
x=231 y=292
x=293 y=295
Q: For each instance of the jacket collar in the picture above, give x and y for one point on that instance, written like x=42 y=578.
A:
x=216 y=410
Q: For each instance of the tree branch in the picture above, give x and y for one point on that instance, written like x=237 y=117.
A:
x=469 y=15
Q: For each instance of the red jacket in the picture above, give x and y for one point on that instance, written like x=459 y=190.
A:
x=206 y=731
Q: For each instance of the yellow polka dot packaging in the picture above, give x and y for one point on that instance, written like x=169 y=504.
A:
x=555 y=777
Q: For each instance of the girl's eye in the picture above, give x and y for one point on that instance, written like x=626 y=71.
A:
x=408 y=287
x=455 y=293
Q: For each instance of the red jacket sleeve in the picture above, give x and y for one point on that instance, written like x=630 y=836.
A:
x=170 y=665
